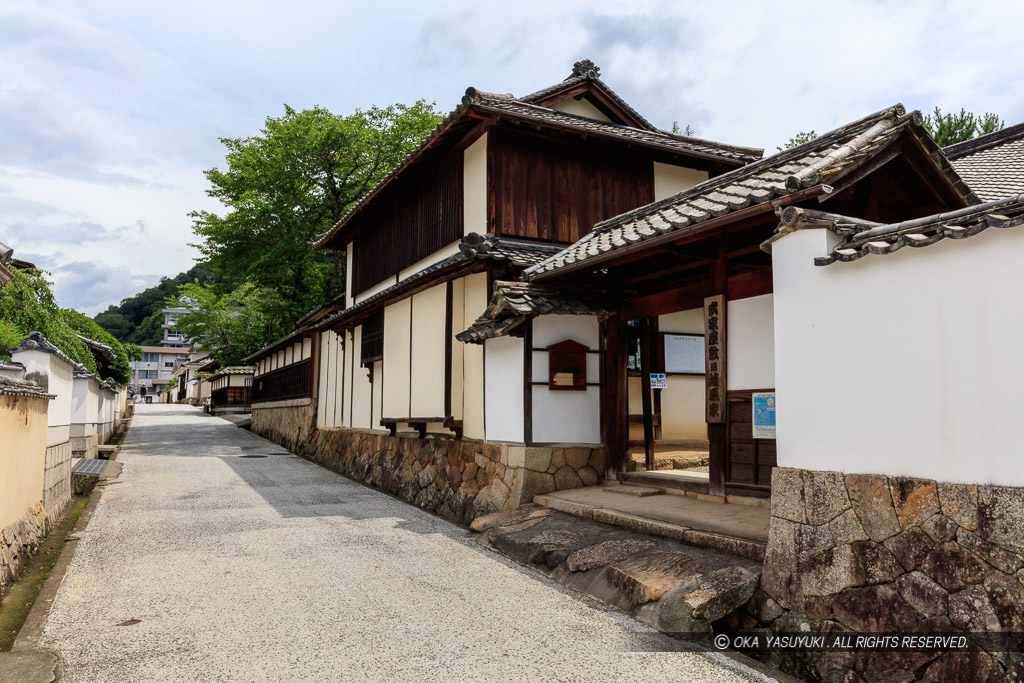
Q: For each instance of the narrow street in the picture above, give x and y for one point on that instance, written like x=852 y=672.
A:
x=220 y=556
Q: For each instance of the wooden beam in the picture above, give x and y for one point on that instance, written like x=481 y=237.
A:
x=718 y=432
x=646 y=368
x=614 y=406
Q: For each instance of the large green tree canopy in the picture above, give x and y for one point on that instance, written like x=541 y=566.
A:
x=292 y=182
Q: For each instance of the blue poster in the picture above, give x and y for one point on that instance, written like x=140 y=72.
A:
x=764 y=415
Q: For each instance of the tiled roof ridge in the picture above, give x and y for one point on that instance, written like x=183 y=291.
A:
x=35 y=341
x=12 y=386
x=482 y=98
x=983 y=142
x=878 y=238
x=776 y=159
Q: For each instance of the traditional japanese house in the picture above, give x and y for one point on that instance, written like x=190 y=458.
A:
x=231 y=390
x=691 y=290
x=502 y=184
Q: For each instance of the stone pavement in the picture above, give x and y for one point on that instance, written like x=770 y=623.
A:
x=219 y=556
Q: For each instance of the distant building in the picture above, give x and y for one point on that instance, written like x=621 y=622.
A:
x=172 y=338
x=156 y=366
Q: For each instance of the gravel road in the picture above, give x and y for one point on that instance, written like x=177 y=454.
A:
x=218 y=556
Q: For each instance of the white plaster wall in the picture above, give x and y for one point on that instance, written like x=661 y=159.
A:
x=503 y=389
x=439 y=255
x=338 y=380
x=58 y=379
x=670 y=180
x=397 y=319
x=349 y=250
x=458 y=348
x=325 y=383
x=566 y=416
x=580 y=108
x=361 y=388
x=348 y=371
x=474 y=187
x=682 y=403
x=428 y=359
x=750 y=343
x=905 y=364
x=379 y=287
x=378 y=395
x=477 y=296
x=84 y=406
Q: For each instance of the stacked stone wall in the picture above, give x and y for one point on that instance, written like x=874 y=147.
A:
x=871 y=553
x=57 y=479
x=18 y=543
x=459 y=480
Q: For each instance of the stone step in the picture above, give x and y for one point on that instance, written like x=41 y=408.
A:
x=750 y=549
x=636 y=490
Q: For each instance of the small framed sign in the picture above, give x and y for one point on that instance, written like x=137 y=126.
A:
x=659 y=380
x=567 y=366
x=764 y=414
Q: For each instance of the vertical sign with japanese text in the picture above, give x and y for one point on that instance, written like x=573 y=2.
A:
x=714 y=358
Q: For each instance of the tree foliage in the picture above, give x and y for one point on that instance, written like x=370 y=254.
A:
x=27 y=305
x=799 y=139
x=234 y=324
x=949 y=129
x=120 y=368
x=137 y=319
x=686 y=130
x=292 y=182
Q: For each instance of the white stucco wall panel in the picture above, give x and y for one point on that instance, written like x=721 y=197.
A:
x=580 y=108
x=570 y=417
x=476 y=297
x=458 y=348
x=474 y=187
x=397 y=321
x=906 y=364
x=503 y=389
x=429 y=309
x=670 y=180
x=750 y=341
x=361 y=388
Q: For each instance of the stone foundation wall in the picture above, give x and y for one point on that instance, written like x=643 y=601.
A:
x=871 y=553
x=288 y=423
x=459 y=480
x=57 y=479
x=18 y=543
x=84 y=446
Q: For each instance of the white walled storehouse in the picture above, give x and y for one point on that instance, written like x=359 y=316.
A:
x=503 y=183
x=53 y=372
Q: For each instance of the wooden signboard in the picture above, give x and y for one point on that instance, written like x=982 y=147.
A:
x=567 y=366
x=714 y=359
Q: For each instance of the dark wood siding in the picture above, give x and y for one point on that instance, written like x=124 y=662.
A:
x=750 y=460
x=416 y=217
x=557 y=190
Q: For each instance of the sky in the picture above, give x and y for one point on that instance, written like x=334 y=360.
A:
x=110 y=111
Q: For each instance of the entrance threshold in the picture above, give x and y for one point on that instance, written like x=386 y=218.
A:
x=695 y=519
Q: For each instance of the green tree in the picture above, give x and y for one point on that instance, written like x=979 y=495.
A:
x=292 y=182
x=27 y=304
x=686 y=130
x=799 y=139
x=119 y=368
x=10 y=337
x=124 y=319
x=233 y=325
x=949 y=129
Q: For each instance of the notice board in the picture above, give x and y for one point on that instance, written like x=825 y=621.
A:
x=684 y=353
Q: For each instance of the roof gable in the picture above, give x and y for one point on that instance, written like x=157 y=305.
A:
x=758 y=187
x=584 y=83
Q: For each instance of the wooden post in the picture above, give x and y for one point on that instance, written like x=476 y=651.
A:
x=646 y=368
x=615 y=415
x=715 y=377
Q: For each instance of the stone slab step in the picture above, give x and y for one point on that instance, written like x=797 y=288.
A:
x=106 y=448
x=750 y=549
x=636 y=490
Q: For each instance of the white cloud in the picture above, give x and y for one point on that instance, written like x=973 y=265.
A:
x=111 y=110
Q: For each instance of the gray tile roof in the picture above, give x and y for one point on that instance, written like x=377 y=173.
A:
x=518 y=253
x=583 y=71
x=234 y=370
x=10 y=386
x=992 y=165
x=509 y=107
x=514 y=303
x=35 y=341
x=862 y=238
x=780 y=175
